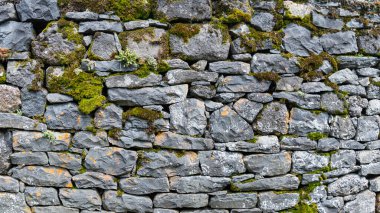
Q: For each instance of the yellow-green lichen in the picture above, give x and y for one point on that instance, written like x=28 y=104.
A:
x=114 y=133
x=256 y=39
x=185 y=31
x=311 y=64
x=268 y=76
x=316 y=136
x=146 y=114
x=236 y=16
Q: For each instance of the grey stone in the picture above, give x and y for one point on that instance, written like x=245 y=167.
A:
x=25 y=74
x=270 y=201
x=239 y=46
x=13 y=203
x=298 y=41
x=310 y=178
x=347 y=185
x=331 y=205
x=344 y=76
x=138 y=24
x=80 y=198
x=172 y=200
x=65 y=160
x=110 y=160
x=66 y=116
x=29 y=158
x=33 y=102
x=208 y=44
x=132 y=81
x=177 y=141
x=212 y=106
x=100 y=26
x=343 y=159
x=40 y=10
x=373 y=107
x=285 y=182
x=14 y=121
x=269 y=164
x=219 y=163
x=356 y=62
x=188 y=117
x=197 y=184
x=179 y=76
x=298 y=9
x=41 y=196
x=273 y=119
x=5 y=151
x=10 y=97
x=367 y=128
x=106 y=66
x=85 y=139
x=364 y=202
x=226 y=119
x=82 y=16
x=356 y=104
x=351 y=144
x=16 y=35
x=230 y=67
x=331 y=103
x=241 y=83
x=43 y=176
x=342 y=127
x=109 y=117
x=273 y=62
x=374 y=184
x=327 y=23
x=370 y=169
x=372 y=92
x=58 y=98
x=318 y=194
x=148 y=96
x=289 y=84
x=144 y=185
x=103 y=47
x=189 y=10
x=373 y=144
x=179 y=64
x=55 y=209
x=199 y=65
x=304 y=162
x=263 y=21
x=247 y=109
x=369 y=72
x=328 y=144
x=133 y=138
x=7 y=12
x=234 y=200
x=202 y=91
x=164 y=163
x=228 y=97
x=9 y=184
x=263 y=144
x=36 y=141
x=368 y=156
x=307 y=101
x=303 y=122
x=339 y=43
x=369 y=44
x=94 y=180
x=260 y=97
x=297 y=143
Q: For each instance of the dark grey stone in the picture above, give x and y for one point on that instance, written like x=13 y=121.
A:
x=33 y=102
x=241 y=83
x=113 y=202
x=14 y=121
x=41 y=196
x=273 y=119
x=303 y=122
x=273 y=62
x=144 y=185
x=327 y=23
x=298 y=41
x=172 y=200
x=100 y=26
x=230 y=67
x=65 y=160
x=43 y=176
x=197 y=184
x=29 y=158
x=178 y=141
x=16 y=35
x=263 y=21
x=234 y=200
x=66 y=116
x=94 y=180
x=25 y=73
x=109 y=117
x=268 y=164
x=190 y=10
x=85 y=139
x=37 y=10
x=103 y=46
x=339 y=43
x=297 y=143
x=307 y=101
x=247 y=109
x=80 y=198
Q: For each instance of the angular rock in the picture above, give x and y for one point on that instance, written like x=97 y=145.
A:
x=285 y=182
x=226 y=125
x=36 y=141
x=16 y=35
x=197 y=184
x=41 y=196
x=363 y=202
x=148 y=96
x=7 y=12
x=342 y=127
x=66 y=116
x=132 y=81
x=367 y=128
x=368 y=156
x=133 y=138
x=5 y=151
x=14 y=121
x=176 y=141
x=289 y=84
x=43 y=176
x=356 y=62
x=80 y=198
x=263 y=144
x=172 y=200
x=343 y=159
x=39 y=10
x=327 y=23
x=100 y=26
x=228 y=97
x=10 y=97
x=209 y=44
x=25 y=74
x=144 y=185
x=273 y=62
x=304 y=162
x=65 y=160
x=298 y=41
x=303 y=122
x=13 y=202
x=55 y=209
x=242 y=83
x=82 y=16
x=328 y=144
x=94 y=180
x=189 y=10
x=269 y=164
x=331 y=103
x=219 y=163
x=370 y=169
x=373 y=107
x=299 y=10
x=347 y=185
x=339 y=43
x=369 y=72
x=230 y=67
x=109 y=117
x=179 y=76
x=234 y=200
x=9 y=184
x=297 y=143
x=263 y=21
x=369 y=44
x=344 y=76
x=273 y=119
x=29 y=158
x=106 y=66
x=202 y=91
x=58 y=98
x=103 y=47
x=33 y=102
x=85 y=139
x=113 y=202
x=247 y=109
x=110 y=160
x=307 y=101
x=353 y=90
x=270 y=201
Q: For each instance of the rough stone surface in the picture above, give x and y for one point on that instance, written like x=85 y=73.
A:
x=142 y=186
x=109 y=117
x=113 y=202
x=11 y=98
x=33 y=102
x=270 y=201
x=304 y=162
x=298 y=41
x=269 y=165
x=303 y=122
x=41 y=196
x=273 y=62
x=198 y=10
x=16 y=35
x=197 y=184
x=172 y=200
x=273 y=119
x=219 y=163
x=24 y=73
x=43 y=176
x=236 y=200
x=66 y=116
x=178 y=141
x=339 y=43
x=94 y=180
x=243 y=83
x=80 y=198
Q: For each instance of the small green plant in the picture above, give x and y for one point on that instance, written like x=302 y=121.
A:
x=127 y=57
x=18 y=112
x=49 y=135
x=152 y=63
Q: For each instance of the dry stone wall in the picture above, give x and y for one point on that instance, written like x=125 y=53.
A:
x=201 y=106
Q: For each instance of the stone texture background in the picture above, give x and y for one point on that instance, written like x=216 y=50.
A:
x=261 y=106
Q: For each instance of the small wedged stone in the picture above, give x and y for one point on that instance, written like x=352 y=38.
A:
x=109 y=117
x=9 y=184
x=241 y=83
x=85 y=139
x=144 y=185
x=113 y=202
x=14 y=121
x=198 y=184
x=65 y=160
x=297 y=143
x=339 y=43
x=230 y=67
x=273 y=119
x=303 y=122
x=16 y=36
x=54 y=98
x=219 y=163
x=29 y=158
x=234 y=200
x=190 y=10
x=285 y=182
x=289 y=84
x=179 y=76
x=173 y=200
x=37 y=10
x=26 y=74
x=331 y=103
x=273 y=62
x=298 y=41
x=247 y=109
x=183 y=142
x=263 y=144
x=269 y=164
x=202 y=91
x=36 y=141
x=13 y=203
x=228 y=97
x=100 y=26
x=270 y=201
x=110 y=160
x=344 y=76
x=94 y=180
x=5 y=151
x=306 y=101
x=133 y=138
x=80 y=198
x=41 y=196
x=10 y=97
x=328 y=144
x=43 y=176
x=148 y=96
x=304 y=162
x=132 y=81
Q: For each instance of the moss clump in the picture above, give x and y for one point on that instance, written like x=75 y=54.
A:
x=268 y=76
x=311 y=64
x=114 y=133
x=255 y=39
x=69 y=31
x=82 y=170
x=217 y=24
x=236 y=16
x=146 y=114
x=316 y=136
x=136 y=35
x=185 y=31
x=253 y=140
x=303 y=207
x=119 y=193
x=3 y=79
x=321 y=170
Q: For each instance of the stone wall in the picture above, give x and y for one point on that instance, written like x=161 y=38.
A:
x=189 y=106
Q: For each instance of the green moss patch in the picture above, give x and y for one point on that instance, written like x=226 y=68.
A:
x=146 y=114
x=236 y=16
x=310 y=65
x=268 y=76
x=316 y=136
x=255 y=39
x=185 y=31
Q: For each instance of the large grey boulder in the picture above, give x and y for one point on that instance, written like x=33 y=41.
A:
x=148 y=95
x=13 y=202
x=144 y=185
x=270 y=201
x=41 y=196
x=241 y=83
x=113 y=202
x=37 y=10
x=304 y=162
x=298 y=41
x=66 y=116
x=234 y=200
x=226 y=125
x=197 y=184
x=33 y=102
x=178 y=141
x=339 y=43
x=220 y=163
x=285 y=182
x=80 y=198
x=209 y=44
x=94 y=180
x=303 y=122
x=273 y=63
x=11 y=98
x=14 y=121
x=273 y=119
x=269 y=164
x=173 y=200
x=16 y=35
x=27 y=74
x=363 y=202
x=43 y=176
x=190 y=10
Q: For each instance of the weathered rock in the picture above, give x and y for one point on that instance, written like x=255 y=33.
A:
x=202 y=91
x=198 y=10
x=41 y=196
x=179 y=76
x=298 y=41
x=43 y=176
x=298 y=9
x=342 y=127
x=263 y=144
x=142 y=185
x=307 y=101
x=65 y=160
x=66 y=116
x=33 y=102
x=110 y=160
x=247 y=109
x=80 y=198
x=56 y=209
x=331 y=205
x=94 y=180
x=370 y=169
x=227 y=119
x=304 y=162
x=197 y=184
x=339 y=43
x=364 y=202
x=219 y=163
x=367 y=128
x=209 y=44
x=5 y=151
x=343 y=159
x=270 y=201
x=263 y=21
x=328 y=144
x=82 y=16
x=103 y=47
x=327 y=23
x=14 y=121
x=113 y=202
x=368 y=156
x=25 y=74
x=165 y=163
x=331 y=103
x=228 y=97
x=29 y=158
x=289 y=84
x=347 y=185
x=7 y=12
x=177 y=141
x=273 y=119
x=10 y=97
x=132 y=81
x=172 y=200
x=40 y=10
x=369 y=72
x=285 y=182
x=16 y=35
x=356 y=62
x=344 y=76
x=234 y=200
x=241 y=83
x=85 y=139
x=13 y=202
x=9 y=184
x=188 y=117
x=269 y=164
x=369 y=44
x=148 y=96
x=133 y=138
x=58 y=98
x=373 y=107
x=303 y=122
x=109 y=117
x=36 y=141
x=230 y=67
x=274 y=63
x=106 y=66
x=297 y=143
x=100 y=26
